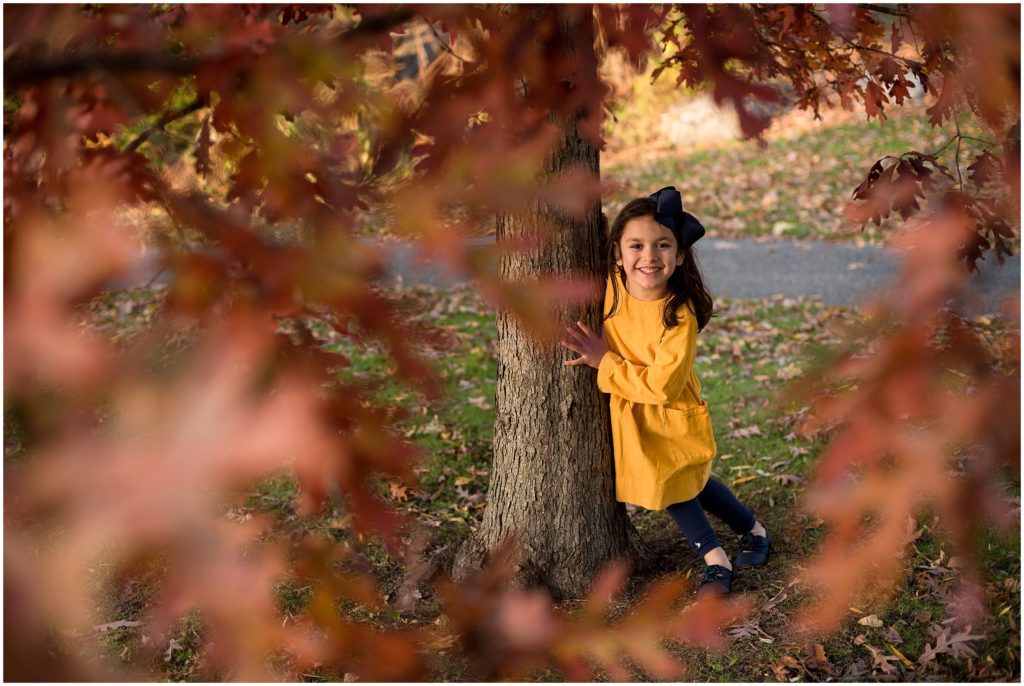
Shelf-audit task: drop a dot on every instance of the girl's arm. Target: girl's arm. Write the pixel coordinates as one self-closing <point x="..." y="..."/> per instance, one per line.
<point x="662" y="381"/>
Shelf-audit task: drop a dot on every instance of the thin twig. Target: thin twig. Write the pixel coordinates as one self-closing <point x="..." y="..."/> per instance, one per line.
<point x="948" y="143"/>
<point x="980" y="140"/>
<point x="865" y="48"/>
<point x="446" y="46"/>
<point x="910" y="27"/>
<point x="882" y="10"/>
<point x="959" y="137"/>
<point x="198" y="103"/>
<point x="181" y="231"/>
<point x="156" y="276"/>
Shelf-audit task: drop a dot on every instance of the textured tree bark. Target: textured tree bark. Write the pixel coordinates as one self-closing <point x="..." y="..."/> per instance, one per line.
<point x="552" y="482"/>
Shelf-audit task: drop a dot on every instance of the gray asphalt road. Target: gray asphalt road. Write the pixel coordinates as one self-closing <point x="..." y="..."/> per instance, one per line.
<point x="838" y="273"/>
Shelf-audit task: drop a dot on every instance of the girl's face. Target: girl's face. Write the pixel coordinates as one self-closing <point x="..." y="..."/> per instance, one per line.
<point x="648" y="253"/>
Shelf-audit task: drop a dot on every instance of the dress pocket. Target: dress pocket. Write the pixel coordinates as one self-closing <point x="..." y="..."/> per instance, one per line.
<point x="689" y="435"/>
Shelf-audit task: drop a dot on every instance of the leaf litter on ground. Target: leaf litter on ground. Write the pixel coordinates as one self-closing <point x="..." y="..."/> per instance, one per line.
<point x="748" y="339"/>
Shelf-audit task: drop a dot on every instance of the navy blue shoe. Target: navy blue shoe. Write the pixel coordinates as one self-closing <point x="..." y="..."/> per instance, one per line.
<point x="717" y="581"/>
<point x="754" y="550"/>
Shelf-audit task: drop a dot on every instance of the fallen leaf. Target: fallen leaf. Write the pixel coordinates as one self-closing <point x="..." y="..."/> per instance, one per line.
<point x="871" y="620"/>
<point x="818" y="661"/>
<point x="882" y="662"/>
<point x="788" y="372"/>
<point x="745" y="432"/>
<point x="901" y="656"/>
<point x="893" y="636"/>
<point x="116" y="625"/>
<point x="480" y="402"/>
<point x="787" y="479"/>
<point x="171" y="647"/>
<point x="398" y="492"/>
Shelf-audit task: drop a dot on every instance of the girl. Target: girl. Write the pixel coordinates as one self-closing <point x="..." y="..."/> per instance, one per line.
<point x="656" y="303"/>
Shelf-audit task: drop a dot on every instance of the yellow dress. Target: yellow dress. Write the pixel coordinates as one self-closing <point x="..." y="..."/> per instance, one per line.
<point x="661" y="429"/>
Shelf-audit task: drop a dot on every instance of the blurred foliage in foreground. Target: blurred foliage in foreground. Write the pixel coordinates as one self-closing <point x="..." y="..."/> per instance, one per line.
<point x="134" y="453"/>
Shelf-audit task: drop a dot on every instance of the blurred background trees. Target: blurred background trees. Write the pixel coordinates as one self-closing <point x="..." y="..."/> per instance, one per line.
<point x="247" y="149"/>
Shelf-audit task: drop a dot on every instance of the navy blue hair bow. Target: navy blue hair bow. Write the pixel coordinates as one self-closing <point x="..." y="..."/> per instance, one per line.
<point x="670" y="213"/>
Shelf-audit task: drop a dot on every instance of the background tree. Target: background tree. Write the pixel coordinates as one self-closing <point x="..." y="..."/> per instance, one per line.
<point x="552" y="486"/>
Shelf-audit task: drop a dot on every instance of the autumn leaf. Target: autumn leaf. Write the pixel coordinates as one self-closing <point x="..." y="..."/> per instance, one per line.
<point x="745" y="432"/>
<point x="398" y="491"/>
<point x="787" y="479"/>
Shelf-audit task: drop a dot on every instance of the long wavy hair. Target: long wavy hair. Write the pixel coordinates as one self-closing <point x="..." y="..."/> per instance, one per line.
<point x="686" y="285"/>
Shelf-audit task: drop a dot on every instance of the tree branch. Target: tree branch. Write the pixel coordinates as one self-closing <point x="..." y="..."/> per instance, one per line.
<point x="198" y="103"/>
<point x="864" y="48"/>
<point x="882" y="9"/>
<point x="371" y="25"/>
<point x="20" y="73"/>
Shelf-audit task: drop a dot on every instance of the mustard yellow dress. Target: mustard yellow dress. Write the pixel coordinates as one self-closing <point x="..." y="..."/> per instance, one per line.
<point x="661" y="429"/>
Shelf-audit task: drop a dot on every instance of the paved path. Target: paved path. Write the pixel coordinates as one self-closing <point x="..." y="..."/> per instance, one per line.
<point x="838" y="273"/>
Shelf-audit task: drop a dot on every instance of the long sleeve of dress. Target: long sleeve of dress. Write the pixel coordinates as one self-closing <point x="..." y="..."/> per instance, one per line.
<point x="662" y="381"/>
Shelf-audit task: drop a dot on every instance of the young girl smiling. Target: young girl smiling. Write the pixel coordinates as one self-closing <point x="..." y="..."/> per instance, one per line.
<point x="656" y="303"/>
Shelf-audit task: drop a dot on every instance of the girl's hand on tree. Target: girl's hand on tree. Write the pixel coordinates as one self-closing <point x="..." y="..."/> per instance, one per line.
<point x="589" y="345"/>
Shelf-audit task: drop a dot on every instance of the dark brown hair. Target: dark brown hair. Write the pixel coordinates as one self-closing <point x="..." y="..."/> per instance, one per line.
<point x="686" y="283"/>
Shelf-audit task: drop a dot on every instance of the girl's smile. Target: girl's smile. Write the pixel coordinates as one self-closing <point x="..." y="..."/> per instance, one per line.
<point x="649" y="254"/>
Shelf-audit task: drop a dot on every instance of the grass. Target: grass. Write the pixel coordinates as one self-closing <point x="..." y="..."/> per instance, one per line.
<point x="745" y="356"/>
<point x="795" y="186"/>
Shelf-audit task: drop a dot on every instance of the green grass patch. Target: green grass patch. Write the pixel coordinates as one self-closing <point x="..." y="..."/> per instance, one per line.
<point x="796" y="186"/>
<point x="746" y="357"/>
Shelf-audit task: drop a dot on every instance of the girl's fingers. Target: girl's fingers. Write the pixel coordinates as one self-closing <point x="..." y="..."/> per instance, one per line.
<point x="576" y="334"/>
<point x="571" y="346"/>
<point x="573" y="363"/>
<point x="586" y="330"/>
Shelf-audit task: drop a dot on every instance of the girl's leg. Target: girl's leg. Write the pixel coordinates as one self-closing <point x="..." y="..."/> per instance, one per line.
<point x="718" y="575"/>
<point x="689" y="516"/>
<point x="756" y="543"/>
<point x="717" y="499"/>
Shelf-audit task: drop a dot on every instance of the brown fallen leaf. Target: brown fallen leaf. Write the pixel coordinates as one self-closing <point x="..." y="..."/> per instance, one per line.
<point x="871" y="620"/>
<point x="893" y="636"/>
<point x="398" y="492"/>
<point x="787" y="479"/>
<point x="438" y="641"/>
<point x="887" y="664"/>
<point x="957" y="645"/>
<point x="745" y="432"/>
<point x="780" y="671"/>
<point x="817" y="660"/>
<point x="480" y="402"/>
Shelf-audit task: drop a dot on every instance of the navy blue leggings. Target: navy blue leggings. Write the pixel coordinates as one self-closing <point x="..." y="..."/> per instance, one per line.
<point x="717" y="499"/>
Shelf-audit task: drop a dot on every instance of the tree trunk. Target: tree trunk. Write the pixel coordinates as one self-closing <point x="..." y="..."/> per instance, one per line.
<point x="552" y="482"/>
